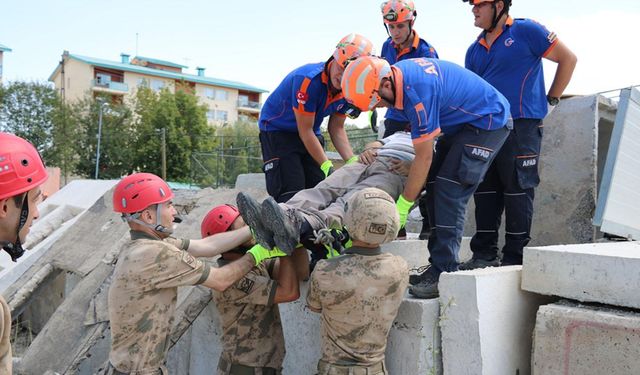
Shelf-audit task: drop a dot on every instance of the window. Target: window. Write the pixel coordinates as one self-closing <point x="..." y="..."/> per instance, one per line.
<point x="211" y="115"/>
<point x="221" y="115"/>
<point x="157" y="85"/>
<point x="209" y="92"/>
<point x="143" y="82"/>
<point x="243" y="100"/>
<point x="222" y="95"/>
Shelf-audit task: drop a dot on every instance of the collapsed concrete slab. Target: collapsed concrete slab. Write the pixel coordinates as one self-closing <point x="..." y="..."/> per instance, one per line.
<point x="603" y="272"/>
<point x="572" y="339"/>
<point x="486" y="322"/>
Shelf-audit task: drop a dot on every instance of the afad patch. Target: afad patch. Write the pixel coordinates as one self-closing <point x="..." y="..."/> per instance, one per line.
<point x="246" y="285"/>
<point x="552" y="37"/>
<point x="189" y="259"/>
<point x="302" y="97"/>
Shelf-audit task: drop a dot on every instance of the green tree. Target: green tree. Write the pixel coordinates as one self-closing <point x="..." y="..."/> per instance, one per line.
<point x="27" y="111"/>
<point x="185" y="126"/>
<point x="116" y="134"/>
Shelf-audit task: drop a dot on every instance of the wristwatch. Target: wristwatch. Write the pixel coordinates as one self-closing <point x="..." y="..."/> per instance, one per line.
<point x="553" y="100"/>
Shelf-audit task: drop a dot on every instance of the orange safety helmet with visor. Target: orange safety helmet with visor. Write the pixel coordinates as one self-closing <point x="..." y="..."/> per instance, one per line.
<point x="496" y="15"/>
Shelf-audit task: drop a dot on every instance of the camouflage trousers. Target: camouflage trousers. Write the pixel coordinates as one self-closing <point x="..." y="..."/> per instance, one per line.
<point x="323" y="205"/>
<point x="326" y="368"/>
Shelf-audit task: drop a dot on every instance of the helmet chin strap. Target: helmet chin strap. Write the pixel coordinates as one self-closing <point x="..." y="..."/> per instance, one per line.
<point x="158" y="227"/>
<point x="15" y="249"/>
<point x="496" y="17"/>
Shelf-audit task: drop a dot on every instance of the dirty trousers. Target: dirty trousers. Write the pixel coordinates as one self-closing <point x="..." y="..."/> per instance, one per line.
<point x="323" y="205"/>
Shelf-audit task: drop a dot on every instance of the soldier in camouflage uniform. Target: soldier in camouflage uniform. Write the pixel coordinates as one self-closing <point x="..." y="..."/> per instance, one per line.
<point x="21" y="174"/>
<point x="143" y="293"/>
<point x="359" y="293"/>
<point x="252" y="338"/>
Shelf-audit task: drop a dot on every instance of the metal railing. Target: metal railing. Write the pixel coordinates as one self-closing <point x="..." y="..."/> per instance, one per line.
<point x="110" y="85"/>
<point x="248" y="104"/>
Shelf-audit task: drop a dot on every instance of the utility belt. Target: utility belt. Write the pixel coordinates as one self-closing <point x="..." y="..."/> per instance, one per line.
<point x="228" y="368"/>
<point x="162" y="370"/>
<point x="326" y="368"/>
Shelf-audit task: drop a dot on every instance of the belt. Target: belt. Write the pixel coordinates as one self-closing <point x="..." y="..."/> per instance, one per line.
<point x="326" y="368"/>
<point x="155" y="371"/>
<point x="226" y="367"/>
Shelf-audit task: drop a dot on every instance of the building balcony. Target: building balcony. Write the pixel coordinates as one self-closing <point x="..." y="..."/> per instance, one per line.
<point x="109" y="86"/>
<point x="249" y="106"/>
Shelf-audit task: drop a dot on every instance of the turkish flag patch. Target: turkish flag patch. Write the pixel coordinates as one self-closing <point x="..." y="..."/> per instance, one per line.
<point x="302" y="97"/>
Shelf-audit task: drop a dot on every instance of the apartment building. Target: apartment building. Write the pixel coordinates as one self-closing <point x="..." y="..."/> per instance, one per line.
<point x="3" y="49"/>
<point x="228" y="101"/>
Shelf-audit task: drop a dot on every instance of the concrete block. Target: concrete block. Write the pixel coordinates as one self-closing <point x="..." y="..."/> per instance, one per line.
<point x="570" y="339"/>
<point x="602" y="272"/>
<point x="416" y="254"/>
<point x="413" y="346"/>
<point x="486" y="322"/>
<point x="301" y="329"/>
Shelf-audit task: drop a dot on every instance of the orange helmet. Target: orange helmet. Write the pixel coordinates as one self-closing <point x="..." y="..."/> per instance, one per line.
<point x="350" y="48"/>
<point x="361" y="81"/>
<point x="396" y="11"/>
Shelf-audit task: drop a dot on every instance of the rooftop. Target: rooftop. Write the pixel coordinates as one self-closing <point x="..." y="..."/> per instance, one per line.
<point x="128" y="67"/>
<point x="4" y="48"/>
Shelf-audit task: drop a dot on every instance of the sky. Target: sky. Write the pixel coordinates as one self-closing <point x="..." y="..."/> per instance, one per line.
<point x="258" y="42"/>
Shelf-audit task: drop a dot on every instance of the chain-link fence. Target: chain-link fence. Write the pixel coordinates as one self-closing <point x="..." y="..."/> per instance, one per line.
<point x="237" y="155"/>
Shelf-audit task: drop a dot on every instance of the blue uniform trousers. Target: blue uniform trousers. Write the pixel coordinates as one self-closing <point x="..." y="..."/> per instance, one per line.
<point x="459" y="164"/>
<point x="509" y="187"/>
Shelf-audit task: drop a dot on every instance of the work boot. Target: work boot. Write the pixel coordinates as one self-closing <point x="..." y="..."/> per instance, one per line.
<point x="475" y="263"/>
<point x="417" y="278"/>
<point x="284" y="225"/>
<point x="428" y="287"/>
<point x="251" y="212"/>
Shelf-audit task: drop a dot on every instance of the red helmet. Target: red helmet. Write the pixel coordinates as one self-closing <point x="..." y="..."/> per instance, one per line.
<point x="350" y="48"/>
<point x="361" y="81"/>
<point x="218" y="220"/>
<point x="21" y="168"/>
<point x="396" y="11"/>
<point x="138" y="191"/>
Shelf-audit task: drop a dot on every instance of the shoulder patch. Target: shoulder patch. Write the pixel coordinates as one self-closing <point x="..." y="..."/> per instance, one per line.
<point x="245" y="285"/>
<point x="189" y="259"/>
<point x="302" y="97"/>
<point x="552" y="37"/>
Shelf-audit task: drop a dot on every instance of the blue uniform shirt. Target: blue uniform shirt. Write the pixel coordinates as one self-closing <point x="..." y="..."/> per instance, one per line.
<point x="440" y="96"/>
<point x="513" y="65"/>
<point x="419" y="48"/>
<point x="306" y="91"/>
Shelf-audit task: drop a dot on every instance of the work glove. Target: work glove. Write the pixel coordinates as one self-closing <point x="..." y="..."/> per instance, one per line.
<point x="353" y="159"/>
<point x="403" y="207"/>
<point x="327" y="168"/>
<point x="261" y="253"/>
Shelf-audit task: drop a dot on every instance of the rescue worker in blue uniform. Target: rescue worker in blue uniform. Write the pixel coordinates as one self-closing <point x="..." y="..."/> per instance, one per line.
<point x="403" y="43"/>
<point x="290" y="137"/>
<point x="439" y="98"/>
<point x="508" y="54"/>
